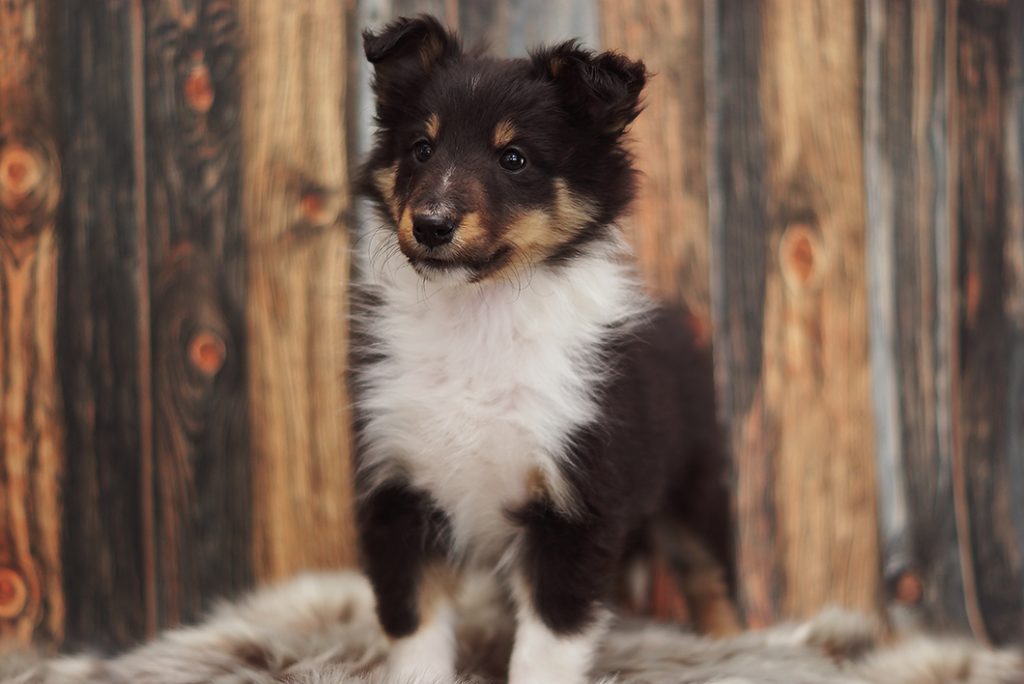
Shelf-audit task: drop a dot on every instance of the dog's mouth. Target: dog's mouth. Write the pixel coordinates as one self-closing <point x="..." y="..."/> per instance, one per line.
<point x="478" y="268"/>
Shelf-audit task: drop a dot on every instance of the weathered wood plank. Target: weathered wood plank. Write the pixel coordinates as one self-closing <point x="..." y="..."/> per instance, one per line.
<point x="294" y="196"/>
<point x="102" y="321"/>
<point x="1014" y="259"/>
<point x="738" y="228"/>
<point x="986" y="464"/>
<point x="668" y="225"/>
<point x="790" y="301"/>
<point x="202" y="472"/>
<point x="512" y="27"/>
<point x="31" y="450"/>
<point x="907" y="170"/>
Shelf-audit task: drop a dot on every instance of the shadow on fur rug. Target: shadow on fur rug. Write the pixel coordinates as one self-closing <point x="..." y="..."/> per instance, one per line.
<point x="321" y="629"/>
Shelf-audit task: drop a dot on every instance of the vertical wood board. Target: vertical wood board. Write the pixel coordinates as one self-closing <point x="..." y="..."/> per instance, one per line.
<point x="108" y="572"/>
<point x="202" y="474"/>
<point x="668" y="225"/>
<point x="986" y="332"/>
<point x="907" y="173"/>
<point x="31" y="450"/>
<point x="791" y="309"/>
<point x="294" y="198"/>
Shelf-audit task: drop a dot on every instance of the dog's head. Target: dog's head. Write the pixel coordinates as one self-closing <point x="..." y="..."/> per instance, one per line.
<point x="481" y="164"/>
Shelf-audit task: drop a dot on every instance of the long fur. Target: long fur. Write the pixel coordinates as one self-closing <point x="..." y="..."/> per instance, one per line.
<point x="520" y="404"/>
<point x="321" y="629"/>
<point x="482" y="384"/>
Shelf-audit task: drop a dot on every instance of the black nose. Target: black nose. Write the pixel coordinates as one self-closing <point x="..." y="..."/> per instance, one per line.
<point x="432" y="230"/>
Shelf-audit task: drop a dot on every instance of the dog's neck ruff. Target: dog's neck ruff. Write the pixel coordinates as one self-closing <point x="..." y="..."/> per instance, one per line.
<point x="476" y="390"/>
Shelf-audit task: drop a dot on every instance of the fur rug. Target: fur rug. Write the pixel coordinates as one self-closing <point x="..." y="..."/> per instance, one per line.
<point x="321" y="629"/>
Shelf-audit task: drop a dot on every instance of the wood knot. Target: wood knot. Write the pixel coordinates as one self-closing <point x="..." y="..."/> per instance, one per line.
<point x="313" y="203"/>
<point x="909" y="589"/>
<point x="21" y="171"/>
<point x="29" y="186"/>
<point x="13" y="593"/>
<point x="199" y="91"/>
<point x="800" y="255"/>
<point x="207" y="352"/>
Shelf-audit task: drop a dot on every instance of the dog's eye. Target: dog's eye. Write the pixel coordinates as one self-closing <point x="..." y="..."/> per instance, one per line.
<point x="512" y="159"/>
<point x="422" y="151"/>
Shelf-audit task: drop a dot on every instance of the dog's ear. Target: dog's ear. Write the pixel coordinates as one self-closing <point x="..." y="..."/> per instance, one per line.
<point x="407" y="49"/>
<point x="604" y="89"/>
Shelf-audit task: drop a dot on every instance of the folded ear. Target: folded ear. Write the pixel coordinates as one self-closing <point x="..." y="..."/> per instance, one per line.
<point x="604" y="89"/>
<point x="408" y="47"/>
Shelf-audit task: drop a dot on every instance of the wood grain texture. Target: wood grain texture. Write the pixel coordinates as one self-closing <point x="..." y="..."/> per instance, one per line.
<point x="294" y="196"/>
<point x="513" y="27"/>
<point x="31" y="450"/>
<point x="668" y="225"/>
<point x="987" y="332"/>
<point x="202" y="475"/>
<point x="738" y="225"/>
<point x="108" y="579"/>
<point x="907" y="87"/>
<point x="1014" y="263"/>
<point x="791" y="302"/>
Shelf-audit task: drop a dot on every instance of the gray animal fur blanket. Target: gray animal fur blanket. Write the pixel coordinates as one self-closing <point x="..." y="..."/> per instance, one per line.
<point x="321" y="629"/>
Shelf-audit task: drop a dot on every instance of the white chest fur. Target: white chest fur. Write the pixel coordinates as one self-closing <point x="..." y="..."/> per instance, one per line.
<point x="481" y="386"/>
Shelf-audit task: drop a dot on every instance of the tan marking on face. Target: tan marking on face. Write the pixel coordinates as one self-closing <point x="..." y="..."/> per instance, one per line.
<point x="470" y="232"/>
<point x="538" y="233"/>
<point x="406" y="240"/>
<point x="573" y="211"/>
<point x="433" y="126"/>
<point x="384" y="180"/>
<point x="504" y="133"/>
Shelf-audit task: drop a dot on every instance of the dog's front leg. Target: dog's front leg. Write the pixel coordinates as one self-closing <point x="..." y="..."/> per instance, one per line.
<point x="402" y="538"/>
<point x="563" y="576"/>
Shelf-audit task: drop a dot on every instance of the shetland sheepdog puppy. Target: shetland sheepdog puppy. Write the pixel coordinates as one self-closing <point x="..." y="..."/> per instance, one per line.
<point x="521" y="405"/>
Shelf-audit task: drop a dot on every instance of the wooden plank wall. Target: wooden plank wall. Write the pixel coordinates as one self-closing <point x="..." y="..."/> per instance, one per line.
<point x="907" y="130"/>
<point x="31" y="453"/>
<point x="835" y="188"/>
<point x="107" y="552"/>
<point x="789" y="291"/>
<point x="943" y="92"/>
<point x="987" y="334"/>
<point x="296" y="198"/>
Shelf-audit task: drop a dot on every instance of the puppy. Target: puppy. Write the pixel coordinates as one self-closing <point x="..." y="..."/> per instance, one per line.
<point x="520" y="404"/>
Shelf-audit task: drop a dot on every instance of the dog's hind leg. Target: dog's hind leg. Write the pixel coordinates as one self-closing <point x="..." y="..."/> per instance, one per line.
<point x="703" y="578"/>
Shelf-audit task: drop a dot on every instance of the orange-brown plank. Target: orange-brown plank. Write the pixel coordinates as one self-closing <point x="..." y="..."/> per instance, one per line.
<point x="669" y="223"/>
<point x="293" y="198"/>
<point x="787" y="223"/>
<point x="31" y="458"/>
